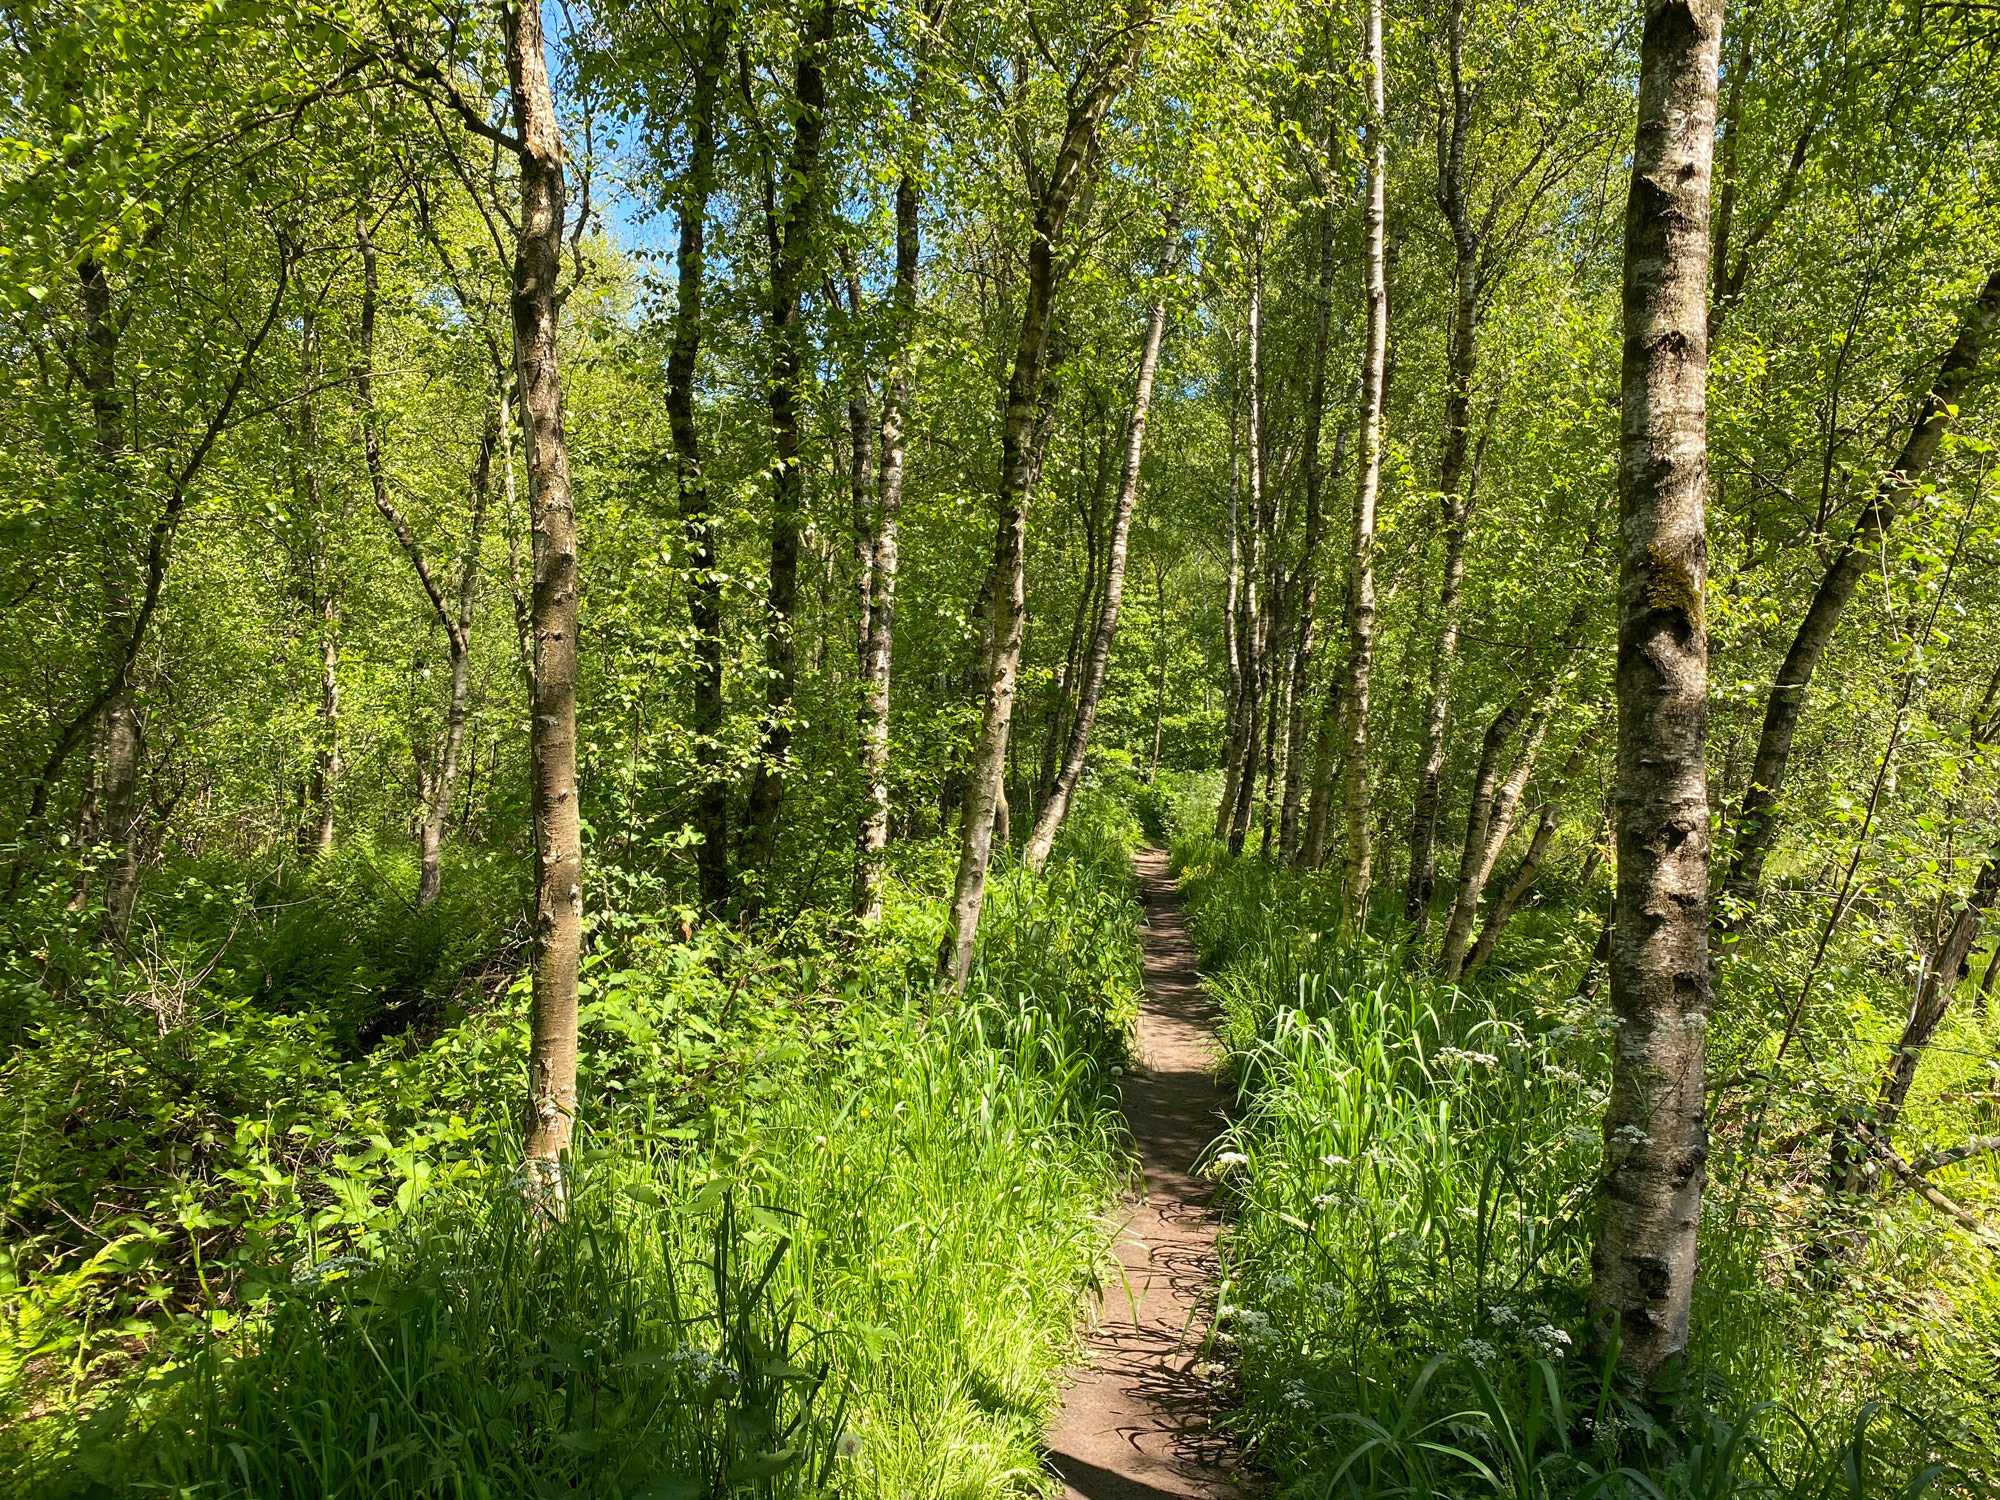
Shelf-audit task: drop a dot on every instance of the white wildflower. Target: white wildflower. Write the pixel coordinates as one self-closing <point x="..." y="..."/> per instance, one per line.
<point x="1230" y="1159"/>
<point x="704" y="1369"/>
<point x="1551" y="1341"/>
<point x="1335" y="1161"/>
<point x="847" y="1445"/>
<point x="1296" y="1395"/>
<point x="1478" y="1351"/>
<point x="1460" y="1055"/>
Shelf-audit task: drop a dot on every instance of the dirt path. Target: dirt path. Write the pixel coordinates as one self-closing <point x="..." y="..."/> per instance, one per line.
<point x="1136" y="1422"/>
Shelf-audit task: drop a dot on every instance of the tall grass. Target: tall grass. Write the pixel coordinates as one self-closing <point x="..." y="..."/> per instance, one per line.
<point x="875" y="1276"/>
<point x="835" y="1246"/>
<point x="1412" y="1178"/>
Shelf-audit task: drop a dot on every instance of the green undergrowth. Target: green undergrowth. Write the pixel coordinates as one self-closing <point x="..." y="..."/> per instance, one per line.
<point x="826" y="1232"/>
<point x="1412" y="1185"/>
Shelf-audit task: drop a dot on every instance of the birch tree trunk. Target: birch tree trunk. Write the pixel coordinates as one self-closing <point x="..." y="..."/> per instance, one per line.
<point x="1254" y="599"/>
<point x="1291" y="834"/>
<point x="1075" y="162"/>
<point x="1098" y="659"/>
<point x="319" y="597"/>
<point x="1160" y="678"/>
<point x="791" y="222"/>
<point x="536" y="308"/>
<point x="1643" y="1265"/>
<point x="879" y="605"/>
<point x="1232" y="640"/>
<point x="1756" y="822"/>
<point x="1356" y="863"/>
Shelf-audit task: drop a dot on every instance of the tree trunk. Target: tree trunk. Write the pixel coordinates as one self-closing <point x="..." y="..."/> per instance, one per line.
<point x="1275" y="716"/>
<point x="872" y="834"/>
<point x="430" y="867"/>
<point x="324" y="780"/>
<point x="1593" y="967"/>
<point x="1290" y="833"/>
<point x="119" y="736"/>
<point x="1756" y="820"/>
<point x="1600" y="850"/>
<point x="1530" y="868"/>
<point x="1481" y="854"/>
<point x="126" y="620"/>
<point x="879" y="607"/>
<point x="1254" y="599"/>
<point x="1075" y="163"/>
<point x="1356" y="863"/>
<point x="1097" y="661"/>
<point x="1293" y="810"/>
<point x="123" y="743"/>
<point x="697" y="510"/>
<point x="536" y="307"/>
<point x="1233" y="646"/>
<point x="1491" y="801"/>
<point x="320" y="600"/>
<point x="1732" y="271"/>
<point x="1160" y="679"/>
<point x="1642" y="1268"/>
<point x="789" y="229"/>
<point x="1454" y="503"/>
<point x="1934" y="995"/>
<point x="1253" y="738"/>
<point x="437" y="786"/>
<point x="1326" y="769"/>
<point x="1054" y="740"/>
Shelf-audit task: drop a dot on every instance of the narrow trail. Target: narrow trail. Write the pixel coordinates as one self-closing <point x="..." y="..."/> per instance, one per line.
<point x="1138" y="1421"/>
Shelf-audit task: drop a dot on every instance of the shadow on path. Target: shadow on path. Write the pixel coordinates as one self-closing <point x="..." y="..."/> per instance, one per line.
<point x="1137" y="1421"/>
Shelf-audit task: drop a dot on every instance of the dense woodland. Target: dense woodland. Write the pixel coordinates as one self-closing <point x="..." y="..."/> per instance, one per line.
<point x="596" y="601"/>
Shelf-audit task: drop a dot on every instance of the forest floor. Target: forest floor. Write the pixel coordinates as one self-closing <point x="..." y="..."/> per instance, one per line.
<point x="1139" y="1419"/>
